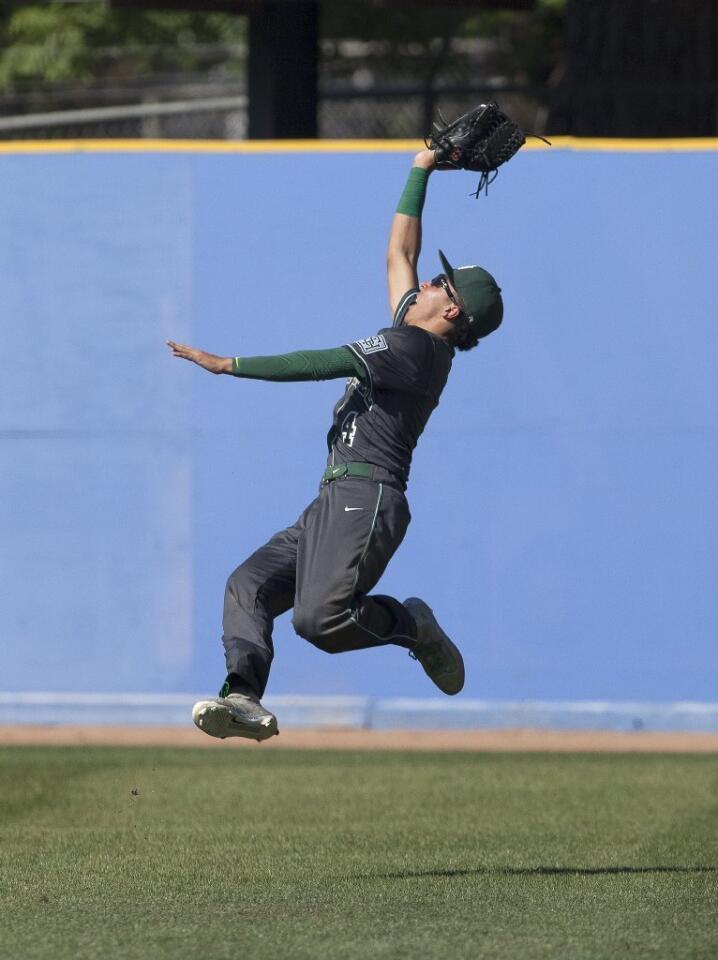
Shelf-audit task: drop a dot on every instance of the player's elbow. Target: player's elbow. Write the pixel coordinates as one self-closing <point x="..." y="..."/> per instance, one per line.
<point x="400" y="256"/>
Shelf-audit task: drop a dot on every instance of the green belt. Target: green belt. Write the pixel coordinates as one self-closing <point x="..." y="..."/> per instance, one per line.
<point x="352" y="469"/>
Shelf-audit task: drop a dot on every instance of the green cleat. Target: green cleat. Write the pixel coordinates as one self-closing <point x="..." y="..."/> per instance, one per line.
<point x="440" y="658"/>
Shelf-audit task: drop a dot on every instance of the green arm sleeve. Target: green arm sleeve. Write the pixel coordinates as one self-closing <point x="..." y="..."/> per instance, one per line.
<point x="302" y="365"/>
<point x="412" y="199"/>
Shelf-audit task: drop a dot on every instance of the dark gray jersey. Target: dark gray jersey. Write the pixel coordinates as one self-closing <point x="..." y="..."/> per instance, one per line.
<point x="382" y="414"/>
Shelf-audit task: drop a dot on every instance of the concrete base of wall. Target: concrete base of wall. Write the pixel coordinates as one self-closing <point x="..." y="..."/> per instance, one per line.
<point x="105" y="709"/>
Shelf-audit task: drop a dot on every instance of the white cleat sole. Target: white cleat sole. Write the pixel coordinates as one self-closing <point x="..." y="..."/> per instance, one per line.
<point x="217" y="720"/>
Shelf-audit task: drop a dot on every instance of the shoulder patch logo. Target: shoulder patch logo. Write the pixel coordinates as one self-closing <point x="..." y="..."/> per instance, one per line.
<point x="373" y="344"/>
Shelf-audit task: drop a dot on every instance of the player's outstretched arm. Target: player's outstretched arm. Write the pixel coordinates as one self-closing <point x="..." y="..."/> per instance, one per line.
<point x="283" y="367"/>
<point x="208" y="361"/>
<point x="404" y="246"/>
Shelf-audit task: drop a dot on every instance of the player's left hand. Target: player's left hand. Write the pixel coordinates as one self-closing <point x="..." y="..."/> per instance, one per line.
<point x="208" y="361"/>
<point x="425" y="159"/>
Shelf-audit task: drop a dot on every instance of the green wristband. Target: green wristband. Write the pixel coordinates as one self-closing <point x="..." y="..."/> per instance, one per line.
<point x="412" y="199"/>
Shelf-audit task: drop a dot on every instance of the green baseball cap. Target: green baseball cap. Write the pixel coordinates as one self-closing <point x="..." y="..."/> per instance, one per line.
<point x="480" y="296"/>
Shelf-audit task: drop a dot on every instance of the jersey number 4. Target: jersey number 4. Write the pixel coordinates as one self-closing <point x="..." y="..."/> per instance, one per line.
<point x="349" y="429"/>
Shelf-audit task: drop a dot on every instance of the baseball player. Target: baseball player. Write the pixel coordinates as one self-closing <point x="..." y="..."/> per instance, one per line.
<point x="326" y="564"/>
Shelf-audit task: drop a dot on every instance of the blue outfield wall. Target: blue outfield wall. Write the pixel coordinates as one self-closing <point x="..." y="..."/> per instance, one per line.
<point x="564" y="494"/>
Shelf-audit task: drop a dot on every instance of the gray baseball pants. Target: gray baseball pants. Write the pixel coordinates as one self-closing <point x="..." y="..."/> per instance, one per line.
<point x="323" y="566"/>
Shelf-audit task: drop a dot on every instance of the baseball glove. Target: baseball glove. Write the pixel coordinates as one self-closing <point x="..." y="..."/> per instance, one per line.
<point x="480" y="140"/>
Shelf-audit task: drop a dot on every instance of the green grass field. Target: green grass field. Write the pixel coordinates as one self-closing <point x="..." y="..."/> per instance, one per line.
<point x="159" y="853"/>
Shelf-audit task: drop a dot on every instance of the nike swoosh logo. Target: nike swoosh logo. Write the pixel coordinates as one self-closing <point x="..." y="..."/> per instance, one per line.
<point x="347" y="509"/>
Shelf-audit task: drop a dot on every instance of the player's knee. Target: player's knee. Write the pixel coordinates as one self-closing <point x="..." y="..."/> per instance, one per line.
<point x="316" y="624"/>
<point x="308" y="622"/>
<point x="241" y="588"/>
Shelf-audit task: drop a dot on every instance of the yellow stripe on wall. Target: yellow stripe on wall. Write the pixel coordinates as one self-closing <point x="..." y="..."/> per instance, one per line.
<point x="688" y="144"/>
<point x="627" y="145"/>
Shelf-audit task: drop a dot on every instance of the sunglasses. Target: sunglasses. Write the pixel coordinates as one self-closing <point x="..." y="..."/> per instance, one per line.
<point x="442" y="281"/>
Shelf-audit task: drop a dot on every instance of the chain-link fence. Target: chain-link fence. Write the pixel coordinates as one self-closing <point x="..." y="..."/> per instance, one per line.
<point x="223" y="118"/>
<point x="366" y="90"/>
